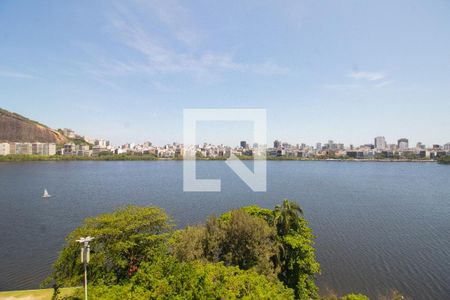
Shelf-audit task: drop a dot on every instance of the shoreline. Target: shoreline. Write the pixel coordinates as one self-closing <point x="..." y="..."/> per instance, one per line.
<point x="31" y="158"/>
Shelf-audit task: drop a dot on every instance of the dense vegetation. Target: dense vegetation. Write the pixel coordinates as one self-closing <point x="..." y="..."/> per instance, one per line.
<point x="252" y="252"/>
<point x="444" y="160"/>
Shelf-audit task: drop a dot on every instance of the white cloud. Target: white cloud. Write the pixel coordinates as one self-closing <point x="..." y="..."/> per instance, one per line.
<point x="370" y="76"/>
<point x="154" y="54"/>
<point x="13" y="74"/>
<point x="384" y="83"/>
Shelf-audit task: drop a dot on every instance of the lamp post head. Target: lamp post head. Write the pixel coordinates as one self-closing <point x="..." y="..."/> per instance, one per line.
<point x="85" y="239"/>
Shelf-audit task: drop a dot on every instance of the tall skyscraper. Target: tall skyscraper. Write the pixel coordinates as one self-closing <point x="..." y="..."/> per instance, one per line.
<point x="380" y="142"/>
<point x="403" y="144"/>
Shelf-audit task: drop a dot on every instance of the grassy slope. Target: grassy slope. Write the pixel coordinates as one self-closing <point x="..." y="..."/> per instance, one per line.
<point x="43" y="294"/>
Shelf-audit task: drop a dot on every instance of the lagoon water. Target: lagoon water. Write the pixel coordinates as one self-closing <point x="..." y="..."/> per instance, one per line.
<point x="379" y="226"/>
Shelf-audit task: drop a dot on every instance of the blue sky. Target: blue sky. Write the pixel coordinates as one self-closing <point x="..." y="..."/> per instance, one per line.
<point x="125" y="70"/>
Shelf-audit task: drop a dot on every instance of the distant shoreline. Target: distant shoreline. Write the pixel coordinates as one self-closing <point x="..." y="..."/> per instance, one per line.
<point x="57" y="158"/>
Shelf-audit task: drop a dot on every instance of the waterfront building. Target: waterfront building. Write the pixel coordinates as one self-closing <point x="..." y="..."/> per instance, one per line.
<point x="43" y="149"/>
<point x="82" y="150"/>
<point x="355" y="154"/>
<point x="380" y="142"/>
<point x="403" y="144"/>
<point x="243" y="144"/>
<point x="12" y="148"/>
<point x="447" y="147"/>
<point x="4" y="149"/>
<point x="24" y="148"/>
<point x="37" y="148"/>
<point x="96" y="150"/>
<point x="277" y="144"/>
<point x="69" y="149"/>
<point x="50" y="149"/>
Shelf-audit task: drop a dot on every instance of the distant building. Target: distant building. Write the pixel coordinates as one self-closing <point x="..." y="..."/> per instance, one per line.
<point x="355" y="154"/>
<point x="4" y="149"/>
<point x="392" y="147"/>
<point x="318" y="146"/>
<point x="12" y="148"/>
<point x="37" y="148"/>
<point x="24" y="148"/>
<point x="403" y="144"/>
<point x="105" y="143"/>
<point x="277" y="144"/>
<point x="243" y="144"/>
<point x="96" y="150"/>
<point x="380" y="142"/>
<point x="331" y="146"/>
<point x="43" y="148"/>
<point x="82" y="150"/>
<point x="69" y="133"/>
<point x="50" y="149"/>
<point x="69" y="149"/>
<point x="447" y="147"/>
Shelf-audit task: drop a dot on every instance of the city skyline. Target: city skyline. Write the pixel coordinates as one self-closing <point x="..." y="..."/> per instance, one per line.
<point x="127" y="71"/>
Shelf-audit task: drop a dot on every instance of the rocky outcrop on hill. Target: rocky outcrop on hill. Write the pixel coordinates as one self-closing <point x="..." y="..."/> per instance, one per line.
<point x="16" y="128"/>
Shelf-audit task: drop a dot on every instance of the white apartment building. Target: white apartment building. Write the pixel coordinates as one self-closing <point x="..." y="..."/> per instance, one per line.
<point x="44" y="148"/>
<point x="24" y="148"/>
<point x="380" y="142"/>
<point x="4" y="149"/>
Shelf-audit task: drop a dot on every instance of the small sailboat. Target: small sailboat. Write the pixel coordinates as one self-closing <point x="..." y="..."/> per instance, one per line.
<point x="46" y="194"/>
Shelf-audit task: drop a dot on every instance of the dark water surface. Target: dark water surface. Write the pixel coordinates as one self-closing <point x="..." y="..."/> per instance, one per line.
<point x="379" y="226"/>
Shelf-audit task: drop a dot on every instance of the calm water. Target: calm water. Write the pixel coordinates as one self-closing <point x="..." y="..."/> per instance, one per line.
<point x="379" y="226"/>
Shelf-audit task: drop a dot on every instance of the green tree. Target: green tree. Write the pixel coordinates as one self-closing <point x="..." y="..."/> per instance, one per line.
<point x="237" y="239"/>
<point x="287" y="217"/>
<point x="444" y="160"/>
<point x="355" y="297"/>
<point x="123" y="240"/>
<point x="167" y="278"/>
<point x="297" y="254"/>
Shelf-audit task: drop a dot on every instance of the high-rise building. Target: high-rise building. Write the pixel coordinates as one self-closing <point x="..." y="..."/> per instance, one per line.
<point x="319" y="146"/>
<point x="243" y="144"/>
<point x="380" y="142"/>
<point x="447" y="147"/>
<point x="277" y="144"/>
<point x="331" y="145"/>
<point x="403" y="144"/>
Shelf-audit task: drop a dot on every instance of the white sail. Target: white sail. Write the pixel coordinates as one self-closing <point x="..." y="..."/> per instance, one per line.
<point x="46" y="194"/>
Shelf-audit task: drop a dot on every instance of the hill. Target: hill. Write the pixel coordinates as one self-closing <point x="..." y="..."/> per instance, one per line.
<point x="17" y="128"/>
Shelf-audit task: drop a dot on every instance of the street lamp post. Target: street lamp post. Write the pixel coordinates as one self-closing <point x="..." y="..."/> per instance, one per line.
<point x="85" y="257"/>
